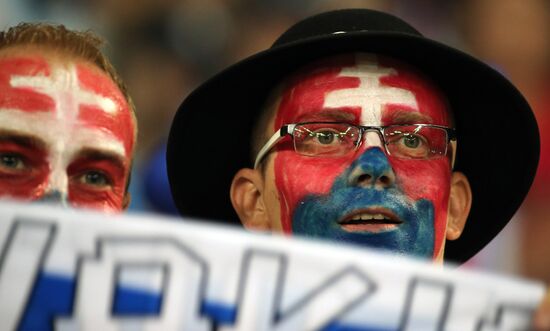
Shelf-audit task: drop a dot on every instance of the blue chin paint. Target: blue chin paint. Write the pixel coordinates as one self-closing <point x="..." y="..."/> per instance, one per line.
<point x="318" y="215"/>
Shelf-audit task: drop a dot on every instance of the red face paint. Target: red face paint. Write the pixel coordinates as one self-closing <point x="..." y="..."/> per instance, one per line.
<point x="22" y="98"/>
<point x="391" y="93"/>
<point x="64" y="127"/>
<point x="120" y="124"/>
<point x="428" y="179"/>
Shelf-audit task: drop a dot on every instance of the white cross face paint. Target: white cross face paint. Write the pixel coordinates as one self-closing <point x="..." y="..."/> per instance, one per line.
<point x="370" y="96"/>
<point x="64" y="88"/>
<point x="64" y="128"/>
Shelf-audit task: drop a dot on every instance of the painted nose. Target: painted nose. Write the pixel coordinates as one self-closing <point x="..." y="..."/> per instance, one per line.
<point x="372" y="170"/>
<point x="54" y="197"/>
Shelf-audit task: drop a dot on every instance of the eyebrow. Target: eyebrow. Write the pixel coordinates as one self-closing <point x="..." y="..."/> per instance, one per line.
<point x="410" y="117"/>
<point x="22" y="139"/>
<point x="327" y="115"/>
<point x="100" y="155"/>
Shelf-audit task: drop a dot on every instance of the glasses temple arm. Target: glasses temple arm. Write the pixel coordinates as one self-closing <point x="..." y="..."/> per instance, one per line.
<point x="283" y="131"/>
<point x="451" y="132"/>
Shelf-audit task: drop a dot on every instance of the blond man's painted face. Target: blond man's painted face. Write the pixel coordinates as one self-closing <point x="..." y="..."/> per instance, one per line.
<point x="66" y="132"/>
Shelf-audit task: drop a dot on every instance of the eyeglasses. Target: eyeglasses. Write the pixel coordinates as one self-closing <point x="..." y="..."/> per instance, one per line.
<point x="332" y="139"/>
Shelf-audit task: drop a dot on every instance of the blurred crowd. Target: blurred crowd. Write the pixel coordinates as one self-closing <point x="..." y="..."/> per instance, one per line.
<point x="164" y="48"/>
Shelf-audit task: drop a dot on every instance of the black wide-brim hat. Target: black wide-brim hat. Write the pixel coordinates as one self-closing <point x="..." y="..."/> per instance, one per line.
<point x="498" y="141"/>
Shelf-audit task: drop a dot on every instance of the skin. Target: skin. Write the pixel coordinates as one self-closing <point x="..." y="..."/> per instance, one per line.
<point x="312" y="196"/>
<point x="66" y="131"/>
<point x="541" y="320"/>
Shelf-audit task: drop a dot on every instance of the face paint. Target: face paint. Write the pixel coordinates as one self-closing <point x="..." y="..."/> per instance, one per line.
<point x="66" y="133"/>
<point x="320" y="195"/>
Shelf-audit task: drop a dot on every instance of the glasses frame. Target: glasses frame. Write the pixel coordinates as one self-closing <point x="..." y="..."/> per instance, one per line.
<point x="288" y="130"/>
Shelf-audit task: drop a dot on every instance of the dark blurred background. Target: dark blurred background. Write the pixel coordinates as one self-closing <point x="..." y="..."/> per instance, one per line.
<point x="164" y="48"/>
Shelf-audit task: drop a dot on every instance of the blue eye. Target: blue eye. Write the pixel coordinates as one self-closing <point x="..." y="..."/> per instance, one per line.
<point x="12" y="161"/>
<point x="411" y="141"/>
<point x="95" y="178"/>
<point x="325" y="137"/>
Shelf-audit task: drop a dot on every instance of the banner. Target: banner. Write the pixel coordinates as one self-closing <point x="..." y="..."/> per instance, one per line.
<point x="75" y="270"/>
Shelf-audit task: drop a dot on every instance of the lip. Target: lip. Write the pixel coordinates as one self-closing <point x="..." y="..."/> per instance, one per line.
<point x="372" y="220"/>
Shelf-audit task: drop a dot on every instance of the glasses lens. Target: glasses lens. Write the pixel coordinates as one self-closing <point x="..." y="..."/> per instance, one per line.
<point x="416" y="141"/>
<point x="325" y="139"/>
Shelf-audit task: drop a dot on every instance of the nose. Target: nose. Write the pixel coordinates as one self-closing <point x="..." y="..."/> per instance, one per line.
<point x="372" y="169"/>
<point x="54" y="197"/>
<point x="55" y="192"/>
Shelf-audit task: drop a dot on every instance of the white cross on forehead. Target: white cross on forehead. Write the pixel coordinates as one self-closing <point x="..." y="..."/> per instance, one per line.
<point x="370" y="95"/>
<point x="63" y="86"/>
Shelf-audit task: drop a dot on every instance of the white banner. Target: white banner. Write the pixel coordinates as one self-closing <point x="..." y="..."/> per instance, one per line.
<point x="74" y="270"/>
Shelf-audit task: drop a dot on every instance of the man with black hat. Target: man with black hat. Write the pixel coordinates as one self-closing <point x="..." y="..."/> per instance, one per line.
<point x="361" y="130"/>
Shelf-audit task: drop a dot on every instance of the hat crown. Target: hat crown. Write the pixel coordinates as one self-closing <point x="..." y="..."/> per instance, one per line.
<point x="345" y="21"/>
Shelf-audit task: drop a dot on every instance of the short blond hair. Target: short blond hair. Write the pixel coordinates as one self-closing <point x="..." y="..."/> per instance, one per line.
<point x="85" y="45"/>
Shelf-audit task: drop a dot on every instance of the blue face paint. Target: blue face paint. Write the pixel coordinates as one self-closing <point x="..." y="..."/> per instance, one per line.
<point x="318" y="215"/>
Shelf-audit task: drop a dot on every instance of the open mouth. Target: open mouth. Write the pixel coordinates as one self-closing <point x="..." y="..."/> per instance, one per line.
<point x="370" y="220"/>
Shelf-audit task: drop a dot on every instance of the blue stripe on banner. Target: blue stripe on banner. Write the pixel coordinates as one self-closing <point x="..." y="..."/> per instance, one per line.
<point x="219" y="312"/>
<point x="343" y="327"/>
<point x="131" y="301"/>
<point x="51" y="296"/>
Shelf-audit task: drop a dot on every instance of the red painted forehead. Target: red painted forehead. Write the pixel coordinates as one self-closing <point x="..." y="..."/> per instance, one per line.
<point x="120" y="123"/>
<point x="304" y="95"/>
<point x="22" y="98"/>
<point x="33" y="84"/>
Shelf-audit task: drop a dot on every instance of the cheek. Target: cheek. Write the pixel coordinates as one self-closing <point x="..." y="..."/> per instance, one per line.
<point x="426" y="179"/>
<point x="103" y="201"/>
<point x="430" y="180"/>
<point x="30" y="186"/>
<point x="297" y="176"/>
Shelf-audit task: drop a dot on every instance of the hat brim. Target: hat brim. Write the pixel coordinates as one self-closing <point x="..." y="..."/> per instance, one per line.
<point x="498" y="141"/>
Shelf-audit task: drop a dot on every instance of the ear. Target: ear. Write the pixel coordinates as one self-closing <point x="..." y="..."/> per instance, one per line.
<point x="126" y="201"/>
<point x="246" y="197"/>
<point x="460" y="201"/>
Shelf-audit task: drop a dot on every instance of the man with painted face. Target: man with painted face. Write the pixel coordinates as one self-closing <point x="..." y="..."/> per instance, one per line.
<point x="369" y="160"/>
<point x="354" y="127"/>
<point x="67" y="125"/>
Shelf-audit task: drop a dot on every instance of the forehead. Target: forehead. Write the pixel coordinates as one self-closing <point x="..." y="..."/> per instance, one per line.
<point x="38" y="88"/>
<point x="370" y="89"/>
